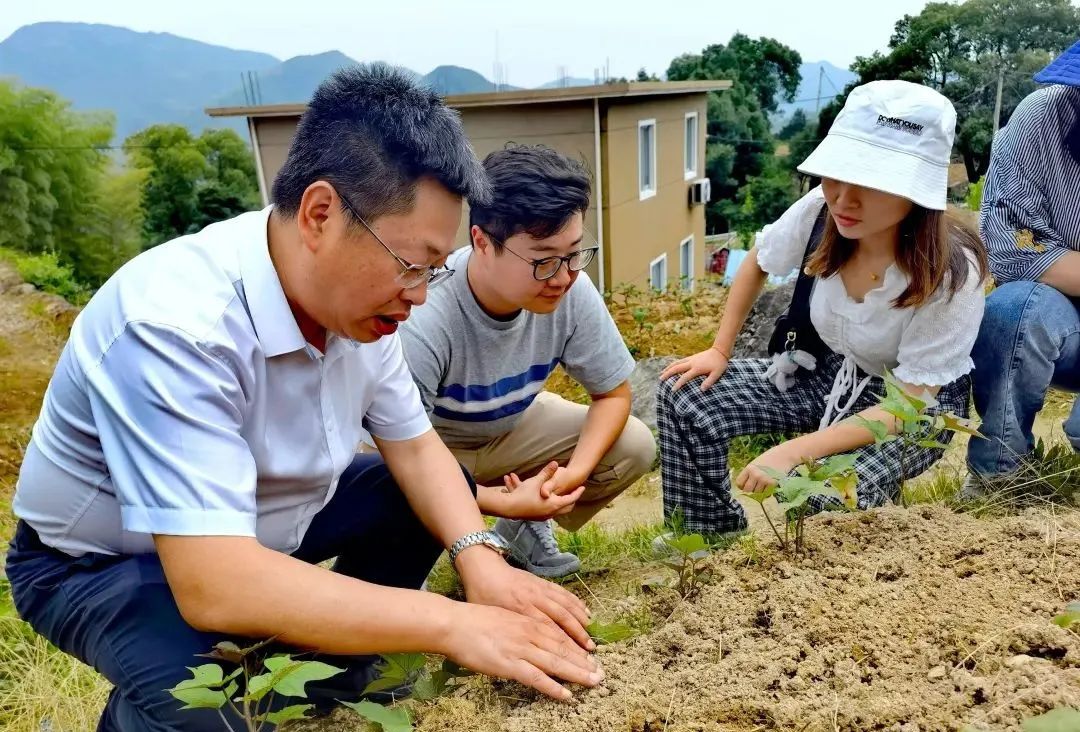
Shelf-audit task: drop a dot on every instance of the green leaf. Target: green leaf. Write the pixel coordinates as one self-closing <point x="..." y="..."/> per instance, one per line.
<point x="846" y="486"/>
<point x="688" y="543"/>
<point x="605" y="634"/>
<point x="430" y="685"/>
<point x="838" y="464"/>
<point x="1062" y="719"/>
<point x="954" y="423"/>
<point x="877" y="428"/>
<point x="397" y="669"/>
<point x="292" y="676"/>
<point x="288" y="714"/>
<point x="390" y="720"/>
<point x="1070" y="617"/>
<point x="762" y="495"/>
<point x="795" y="491"/>
<point x="455" y="670"/>
<point x="205" y="689"/>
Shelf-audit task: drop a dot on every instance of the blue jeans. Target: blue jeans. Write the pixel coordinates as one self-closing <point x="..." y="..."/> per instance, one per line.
<point x="117" y="613"/>
<point x="1029" y="341"/>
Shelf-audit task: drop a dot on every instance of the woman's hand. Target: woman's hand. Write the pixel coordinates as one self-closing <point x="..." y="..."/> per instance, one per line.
<point x="710" y="363"/>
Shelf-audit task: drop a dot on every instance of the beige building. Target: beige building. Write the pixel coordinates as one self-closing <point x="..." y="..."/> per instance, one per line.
<point x="644" y="143"/>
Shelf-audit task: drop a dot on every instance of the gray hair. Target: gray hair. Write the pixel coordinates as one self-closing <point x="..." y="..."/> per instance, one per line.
<point x="373" y="133"/>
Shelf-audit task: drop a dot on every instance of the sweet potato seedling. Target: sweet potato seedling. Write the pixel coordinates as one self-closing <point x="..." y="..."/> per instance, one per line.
<point x="915" y="428"/>
<point x="833" y="477"/>
<point x="691" y="551"/>
<point x="210" y="687"/>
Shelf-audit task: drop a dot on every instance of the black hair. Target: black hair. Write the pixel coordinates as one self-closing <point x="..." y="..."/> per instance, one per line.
<point x="373" y="133"/>
<point x="534" y="190"/>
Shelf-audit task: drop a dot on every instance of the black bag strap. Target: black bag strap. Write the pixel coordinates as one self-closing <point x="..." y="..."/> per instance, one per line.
<point x="804" y="285"/>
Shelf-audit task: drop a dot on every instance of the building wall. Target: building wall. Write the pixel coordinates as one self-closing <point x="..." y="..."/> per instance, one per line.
<point x="639" y="230"/>
<point x="567" y="128"/>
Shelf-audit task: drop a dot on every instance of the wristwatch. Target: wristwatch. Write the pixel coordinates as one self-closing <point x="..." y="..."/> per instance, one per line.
<point x="488" y="538"/>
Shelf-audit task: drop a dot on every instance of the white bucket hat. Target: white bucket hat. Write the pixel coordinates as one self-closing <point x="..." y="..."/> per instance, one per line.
<point x="892" y="136"/>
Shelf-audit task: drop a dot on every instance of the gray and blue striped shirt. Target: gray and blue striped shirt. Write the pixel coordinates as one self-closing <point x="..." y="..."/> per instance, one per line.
<point x="1030" y="213"/>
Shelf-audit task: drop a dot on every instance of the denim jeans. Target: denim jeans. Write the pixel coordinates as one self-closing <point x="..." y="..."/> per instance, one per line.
<point x="117" y="613"/>
<point x="1029" y="341"/>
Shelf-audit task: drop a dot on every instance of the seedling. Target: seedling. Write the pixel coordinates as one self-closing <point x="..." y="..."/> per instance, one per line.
<point x="211" y="688"/>
<point x="834" y="477"/>
<point x="605" y="634"/>
<point x="691" y="551"/>
<point x="914" y="427"/>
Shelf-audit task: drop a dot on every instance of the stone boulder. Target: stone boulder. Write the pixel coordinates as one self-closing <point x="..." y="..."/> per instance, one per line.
<point x="753" y="339"/>
<point x="643" y="383"/>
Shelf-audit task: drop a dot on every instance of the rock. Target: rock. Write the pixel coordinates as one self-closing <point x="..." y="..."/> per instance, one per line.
<point x="753" y="340"/>
<point x="937" y="672"/>
<point x="24" y="289"/>
<point x="643" y="387"/>
<point x="1019" y="660"/>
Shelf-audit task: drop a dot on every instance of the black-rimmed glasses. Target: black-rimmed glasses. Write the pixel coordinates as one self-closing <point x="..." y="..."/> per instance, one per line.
<point x="547" y="267"/>
<point x="412" y="275"/>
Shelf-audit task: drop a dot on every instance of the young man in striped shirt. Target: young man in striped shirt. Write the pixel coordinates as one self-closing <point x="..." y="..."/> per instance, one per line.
<point x="483" y="346"/>
<point x="1030" y="335"/>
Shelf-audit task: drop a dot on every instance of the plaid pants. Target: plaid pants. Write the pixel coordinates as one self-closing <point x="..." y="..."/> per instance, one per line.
<point x="696" y="429"/>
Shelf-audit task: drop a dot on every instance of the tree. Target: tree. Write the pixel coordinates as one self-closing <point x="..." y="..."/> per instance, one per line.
<point x="761" y="201"/>
<point x="739" y="142"/>
<point x="643" y="75"/>
<point x="54" y="188"/>
<point x="793" y="126"/>
<point x="967" y="51"/>
<point x="190" y="182"/>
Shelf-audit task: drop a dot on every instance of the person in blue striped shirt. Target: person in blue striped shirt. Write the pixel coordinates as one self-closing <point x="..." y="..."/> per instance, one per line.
<point x="1030" y="220"/>
<point x="482" y="348"/>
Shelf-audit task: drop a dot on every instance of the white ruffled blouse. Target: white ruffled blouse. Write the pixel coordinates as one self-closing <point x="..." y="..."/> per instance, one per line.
<point x="929" y="345"/>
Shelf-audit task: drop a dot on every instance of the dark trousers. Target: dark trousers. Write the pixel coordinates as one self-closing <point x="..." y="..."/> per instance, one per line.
<point x="117" y="613"/>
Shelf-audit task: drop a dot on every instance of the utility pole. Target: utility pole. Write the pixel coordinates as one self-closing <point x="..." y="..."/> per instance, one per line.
<point x="817" y="102"/>
<point x="997" y="104"/>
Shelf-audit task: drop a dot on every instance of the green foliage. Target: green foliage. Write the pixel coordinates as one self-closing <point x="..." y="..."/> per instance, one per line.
<point x="691" y="551"/>
<point x="762" y="200"/>
<point x="1062" y="719"/>
<point x="739" y="142"/>
<point x="388" y="720"/>
<point x="834" y="477"/>
<point x="190" y="182"/>
<point x="914" y="427"/>
<point x="55" y="189"/>
<point x="1070" y="617"/>
<point x="607" y="633"/>
<point x="45" y="272"/>
<point x="211" y="688"/>
<point x="960" y="49"/>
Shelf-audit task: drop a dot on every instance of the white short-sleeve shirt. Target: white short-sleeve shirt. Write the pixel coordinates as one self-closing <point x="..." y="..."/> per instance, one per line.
<point x="187" y="402"/>
<point x="929" y="345"/>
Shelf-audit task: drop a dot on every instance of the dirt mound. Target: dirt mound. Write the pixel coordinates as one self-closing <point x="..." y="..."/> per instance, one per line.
<point x="903" y="620"/>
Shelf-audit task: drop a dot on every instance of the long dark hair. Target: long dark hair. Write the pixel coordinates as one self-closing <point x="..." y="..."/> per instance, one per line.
<point x="934" y="251"/>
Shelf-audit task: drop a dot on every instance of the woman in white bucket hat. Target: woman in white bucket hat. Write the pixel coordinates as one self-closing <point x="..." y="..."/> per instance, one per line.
<point x="897" y="286"/>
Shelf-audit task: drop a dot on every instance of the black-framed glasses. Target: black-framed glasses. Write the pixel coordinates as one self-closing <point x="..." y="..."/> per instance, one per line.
<point x="547" y="267"/>
<point x="412" y="275"/>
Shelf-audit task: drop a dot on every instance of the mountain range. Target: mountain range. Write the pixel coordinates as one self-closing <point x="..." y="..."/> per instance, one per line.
<point x="148" y="78"/>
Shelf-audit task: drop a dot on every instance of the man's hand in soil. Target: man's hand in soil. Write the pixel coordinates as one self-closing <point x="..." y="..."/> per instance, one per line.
<point x="534" y="499"/>
<point x="546" y="637"/>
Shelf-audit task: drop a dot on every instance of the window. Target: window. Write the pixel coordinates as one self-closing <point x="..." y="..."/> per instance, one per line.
<point x="658" y="272"/>
<point x="690" y="164"/>
<point x="686" y="263"/>
<point x="647" y="158"/>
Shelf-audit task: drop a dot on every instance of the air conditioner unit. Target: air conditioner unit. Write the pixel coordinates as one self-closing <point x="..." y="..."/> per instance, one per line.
<point x="700" y="192"/>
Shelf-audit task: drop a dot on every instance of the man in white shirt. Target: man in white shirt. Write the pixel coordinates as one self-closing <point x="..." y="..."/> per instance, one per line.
<point x="195" y="455"/>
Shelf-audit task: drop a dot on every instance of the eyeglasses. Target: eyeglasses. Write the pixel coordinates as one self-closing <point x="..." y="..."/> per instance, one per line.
<point x="547" y="267"/>
<point x="412" y="275"/>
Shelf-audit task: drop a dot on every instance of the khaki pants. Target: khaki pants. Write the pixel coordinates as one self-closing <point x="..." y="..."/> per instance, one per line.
<point x="549" y="430"/>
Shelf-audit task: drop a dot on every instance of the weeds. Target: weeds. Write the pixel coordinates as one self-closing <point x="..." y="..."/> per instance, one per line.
<point x="1070" y="619"/>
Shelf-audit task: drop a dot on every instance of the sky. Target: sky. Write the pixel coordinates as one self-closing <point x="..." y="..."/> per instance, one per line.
<point x="536" y="40"/>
